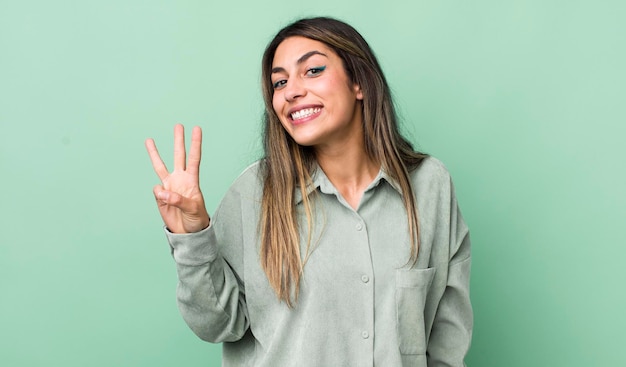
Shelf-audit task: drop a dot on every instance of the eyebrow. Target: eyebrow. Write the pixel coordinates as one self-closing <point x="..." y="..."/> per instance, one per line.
<point x="302" y="59"/>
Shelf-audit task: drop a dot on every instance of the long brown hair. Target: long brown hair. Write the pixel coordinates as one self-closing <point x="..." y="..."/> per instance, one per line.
<point x="287" y="166"/>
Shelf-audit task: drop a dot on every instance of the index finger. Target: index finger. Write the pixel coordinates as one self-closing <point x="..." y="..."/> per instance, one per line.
<point x="157" y="162"/>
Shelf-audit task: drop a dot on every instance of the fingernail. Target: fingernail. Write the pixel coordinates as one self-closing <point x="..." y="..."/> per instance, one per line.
<point x="163" y="195"/>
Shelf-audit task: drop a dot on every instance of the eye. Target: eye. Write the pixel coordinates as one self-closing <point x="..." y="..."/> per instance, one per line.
<point x="315" y="71"/>
<point x="279" y="84"/>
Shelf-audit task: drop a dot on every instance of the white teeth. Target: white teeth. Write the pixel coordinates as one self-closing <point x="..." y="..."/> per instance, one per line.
<point x="304" y="113"/>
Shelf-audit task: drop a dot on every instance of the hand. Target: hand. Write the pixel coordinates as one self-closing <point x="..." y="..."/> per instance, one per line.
<point x="179" y="198"/>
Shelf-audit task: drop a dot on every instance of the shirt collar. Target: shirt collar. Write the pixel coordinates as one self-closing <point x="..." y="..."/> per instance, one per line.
<point x="321" y="181"/>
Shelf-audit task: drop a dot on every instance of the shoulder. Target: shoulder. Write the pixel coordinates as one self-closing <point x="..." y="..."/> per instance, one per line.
<point x="244" y="193"/>
<point x="431" y="171"/>
<point x="432" y="182"/>
<point x="250" y="179"/>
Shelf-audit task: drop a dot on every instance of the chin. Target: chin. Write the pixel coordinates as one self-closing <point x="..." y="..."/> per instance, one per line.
<point x="304" y="142"/>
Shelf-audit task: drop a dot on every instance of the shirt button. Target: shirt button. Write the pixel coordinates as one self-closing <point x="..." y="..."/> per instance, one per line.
<point x="365" y="278"/>
<point x="359" y="227"/>
<point x="365" y="335"/>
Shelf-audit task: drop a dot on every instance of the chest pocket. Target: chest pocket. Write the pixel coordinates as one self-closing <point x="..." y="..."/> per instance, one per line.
<point x="411" y="290"/>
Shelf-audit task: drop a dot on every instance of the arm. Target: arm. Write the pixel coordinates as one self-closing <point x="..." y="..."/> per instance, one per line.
<point x="452" y="327"/>
<point x="210" y="295"/>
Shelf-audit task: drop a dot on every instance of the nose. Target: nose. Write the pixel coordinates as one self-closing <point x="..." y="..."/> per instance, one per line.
<point x="294" y="89"/>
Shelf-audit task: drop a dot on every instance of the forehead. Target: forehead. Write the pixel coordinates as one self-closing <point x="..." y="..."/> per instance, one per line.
<point x="292" y="48"/>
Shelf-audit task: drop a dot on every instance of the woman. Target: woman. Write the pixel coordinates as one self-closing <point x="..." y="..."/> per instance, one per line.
<point x="342" y="246"/>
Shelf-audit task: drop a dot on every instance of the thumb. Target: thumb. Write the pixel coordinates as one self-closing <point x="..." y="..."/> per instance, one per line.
<point x="166" y="197"/>
<point x="170" y="198"/>
<point x="160" y="194"/>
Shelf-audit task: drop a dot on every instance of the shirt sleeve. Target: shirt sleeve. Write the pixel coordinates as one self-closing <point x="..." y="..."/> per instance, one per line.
<point x="210" y="292"/>
<point x="452" y="327"/>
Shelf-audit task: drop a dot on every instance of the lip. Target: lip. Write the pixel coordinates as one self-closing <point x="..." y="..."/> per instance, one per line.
<point x="305" y="119"/>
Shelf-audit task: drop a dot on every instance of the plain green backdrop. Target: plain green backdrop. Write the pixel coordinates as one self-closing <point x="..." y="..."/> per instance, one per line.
<point x="522" y="100"/>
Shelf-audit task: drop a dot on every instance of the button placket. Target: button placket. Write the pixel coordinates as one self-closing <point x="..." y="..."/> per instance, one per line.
<point x="366" y="277"/>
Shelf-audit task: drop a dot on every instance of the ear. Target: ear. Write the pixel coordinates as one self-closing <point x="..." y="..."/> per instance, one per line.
<point x="359" y="93"/>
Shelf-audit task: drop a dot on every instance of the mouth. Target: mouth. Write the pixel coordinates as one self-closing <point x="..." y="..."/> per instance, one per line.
<point x="304" y="114"/>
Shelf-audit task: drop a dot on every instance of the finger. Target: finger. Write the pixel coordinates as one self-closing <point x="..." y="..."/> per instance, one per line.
<point x="157" y="162"/>
<point x="158" y="194"/>
<point x="179" y="147"/>
<point x="195" y="151"/>
<point x="170" y="198"/>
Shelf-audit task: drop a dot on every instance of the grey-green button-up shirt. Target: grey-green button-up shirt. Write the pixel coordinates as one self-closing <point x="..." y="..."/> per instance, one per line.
<point x="360" y="304"/>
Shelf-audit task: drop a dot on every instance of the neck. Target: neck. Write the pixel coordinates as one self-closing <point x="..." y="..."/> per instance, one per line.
<point x="349" y="169"/>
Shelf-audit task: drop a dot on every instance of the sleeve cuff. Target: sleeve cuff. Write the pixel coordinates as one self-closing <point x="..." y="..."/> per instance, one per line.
<point x="193" y="248"/>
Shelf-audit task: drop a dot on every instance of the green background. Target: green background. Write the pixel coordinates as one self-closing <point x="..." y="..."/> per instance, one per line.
<point x="522" y="100"/>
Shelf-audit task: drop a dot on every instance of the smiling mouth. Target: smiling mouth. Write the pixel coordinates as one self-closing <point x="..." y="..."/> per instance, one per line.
<point x="304" y="113"/>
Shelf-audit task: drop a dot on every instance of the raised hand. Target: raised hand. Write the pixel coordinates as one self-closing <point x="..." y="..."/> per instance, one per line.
<point x="179" y="198"/>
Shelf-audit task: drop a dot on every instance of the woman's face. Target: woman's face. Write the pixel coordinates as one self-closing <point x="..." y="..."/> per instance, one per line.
<point x="313" y="98"/>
